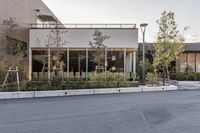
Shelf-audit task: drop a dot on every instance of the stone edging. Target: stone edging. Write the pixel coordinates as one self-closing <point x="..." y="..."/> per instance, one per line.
<point x="57" y="93"/>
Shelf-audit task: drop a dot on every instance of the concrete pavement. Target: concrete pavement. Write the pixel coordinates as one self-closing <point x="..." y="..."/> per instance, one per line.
<point x="150" y="112"/>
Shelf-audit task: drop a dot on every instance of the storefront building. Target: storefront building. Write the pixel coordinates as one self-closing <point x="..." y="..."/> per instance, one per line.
<point x="78" y="57"/>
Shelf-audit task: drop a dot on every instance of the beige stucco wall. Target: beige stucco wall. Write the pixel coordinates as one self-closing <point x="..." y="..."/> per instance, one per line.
<point x="24" y="12"/>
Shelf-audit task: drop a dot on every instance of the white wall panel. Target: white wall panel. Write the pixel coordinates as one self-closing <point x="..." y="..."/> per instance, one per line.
<point x="120" y="38"/>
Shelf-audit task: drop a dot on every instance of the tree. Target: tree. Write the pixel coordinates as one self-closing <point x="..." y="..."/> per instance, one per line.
<point x="54" y="40"/>
<point x="12" y="48"/>
<point x="98" y="44"/>
<point x="99" y="38"/>
<point x="168" y="46"/>
<point x="12" y="52"/>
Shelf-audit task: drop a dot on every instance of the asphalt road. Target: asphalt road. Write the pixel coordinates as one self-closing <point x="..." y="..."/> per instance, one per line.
<point x="152" y="112"/>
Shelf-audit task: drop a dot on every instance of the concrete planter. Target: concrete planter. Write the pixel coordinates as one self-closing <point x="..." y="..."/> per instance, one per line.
<point x="158" y="88"/>
<point x="57" y="93"/>
<point x="176" y="82"/>
<point x="14" y="95"/>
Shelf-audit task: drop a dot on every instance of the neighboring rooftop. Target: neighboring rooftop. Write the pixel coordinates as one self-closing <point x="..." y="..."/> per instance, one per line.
<point x="188" y="47"/>
<point x="192" y="47"/>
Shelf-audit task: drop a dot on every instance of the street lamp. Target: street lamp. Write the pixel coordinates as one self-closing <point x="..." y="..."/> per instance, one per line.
<point x="143" y="29"/>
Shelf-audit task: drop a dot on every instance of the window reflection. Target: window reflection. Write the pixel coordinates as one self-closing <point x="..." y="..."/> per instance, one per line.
<point x="77" y="64"/>
<point x="191" y="61"/>
<point x="39" y="64"/>
<point x="99" y="61"/>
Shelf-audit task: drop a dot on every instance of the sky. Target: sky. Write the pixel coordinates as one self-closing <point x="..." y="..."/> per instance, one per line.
<point x="187" y="13"/>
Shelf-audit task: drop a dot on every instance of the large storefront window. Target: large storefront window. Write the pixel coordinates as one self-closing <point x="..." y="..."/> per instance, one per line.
<point x="197" y="62"/>
<point x="115" y="61"/>
<point x="96" y="60"/>
<point x="82" y="62"/>
<point x="39" y="64"/>
<point x="191" y="61"/>
<point x="58" y="63"/>
<point x="77" y="64"/>
<point x="183" y="62"/>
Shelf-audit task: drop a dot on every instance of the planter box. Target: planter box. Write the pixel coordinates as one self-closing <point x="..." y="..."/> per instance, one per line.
<point x="79" y="92"/>
<point x="49" y="93"/>
<point x="13" y="95"/>
<point x="176" y="82"/>
<point x="57" y="93"/>
<point x="158" y="88"/>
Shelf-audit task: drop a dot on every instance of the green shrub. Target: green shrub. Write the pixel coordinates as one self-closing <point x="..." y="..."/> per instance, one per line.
<point x="99" y="80"/>
<point x="151" y="78"/>
<point x="184" y="76"/>
<point x="45" y="85"/>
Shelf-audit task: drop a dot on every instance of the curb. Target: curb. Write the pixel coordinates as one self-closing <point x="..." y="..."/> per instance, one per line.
<point x="59" y="93"/>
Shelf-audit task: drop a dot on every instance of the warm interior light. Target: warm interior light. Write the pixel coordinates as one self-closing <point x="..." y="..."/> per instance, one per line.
<point x="113" y="68"/>
<point x="113" y="58"/>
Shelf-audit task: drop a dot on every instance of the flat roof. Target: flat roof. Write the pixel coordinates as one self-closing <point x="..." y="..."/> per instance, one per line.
<point x="188" y="47"/>
<point x="82" y="26"/>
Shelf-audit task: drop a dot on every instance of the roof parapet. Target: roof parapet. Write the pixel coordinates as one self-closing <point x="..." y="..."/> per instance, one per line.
<point x="82" y="26"/>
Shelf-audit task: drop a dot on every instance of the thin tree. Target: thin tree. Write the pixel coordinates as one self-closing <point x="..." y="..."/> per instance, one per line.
<point x="168" y="46"/>
<point x="13" y="51"/>
<point x="98" y="44"/>
<point x="55" y="41"/>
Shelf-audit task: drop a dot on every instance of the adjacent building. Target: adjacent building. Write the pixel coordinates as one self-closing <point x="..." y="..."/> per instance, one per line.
<point x="25" y="12"/>
<point x="190" y="58"/>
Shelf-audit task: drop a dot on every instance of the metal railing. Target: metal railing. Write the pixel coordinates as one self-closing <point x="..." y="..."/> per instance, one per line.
<point x="78" y="26"/>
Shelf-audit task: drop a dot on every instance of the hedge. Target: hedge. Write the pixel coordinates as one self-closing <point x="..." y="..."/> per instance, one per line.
<point x="185" y="76"/>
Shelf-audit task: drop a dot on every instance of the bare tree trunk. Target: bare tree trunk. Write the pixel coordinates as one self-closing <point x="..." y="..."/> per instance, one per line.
<point x="168" y="76"/>
<point x="164" y="76"/>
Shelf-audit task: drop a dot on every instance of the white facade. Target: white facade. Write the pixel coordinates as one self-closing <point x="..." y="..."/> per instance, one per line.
<point x="79" y="38"/>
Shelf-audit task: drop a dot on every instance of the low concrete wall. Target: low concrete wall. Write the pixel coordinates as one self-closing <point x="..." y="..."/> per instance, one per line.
<point x="57" y="93"/>
<point x="188" y="82"/>
<point x="13" y="95"/>
<point x="176" y="82"/>
<point x="158" y="88"/>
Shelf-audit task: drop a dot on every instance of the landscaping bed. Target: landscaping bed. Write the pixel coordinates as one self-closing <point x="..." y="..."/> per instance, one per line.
<point x="185" y="76"/>
<point x="95" y="81"/>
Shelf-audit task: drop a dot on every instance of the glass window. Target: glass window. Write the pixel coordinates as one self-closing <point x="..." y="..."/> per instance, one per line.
<point x="96" y="60"/>
<point x="77" y="64"/>
<point x="115" y="60"/>
<point x="39" y="64"/>
<point x="183" y="62"/>
<point x="58" y="63"/>
<point x="197" y="62"/>
<point x="191" y="61"/>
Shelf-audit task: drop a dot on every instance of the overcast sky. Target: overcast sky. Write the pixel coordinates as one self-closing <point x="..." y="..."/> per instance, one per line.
<point x="130" y="11"/>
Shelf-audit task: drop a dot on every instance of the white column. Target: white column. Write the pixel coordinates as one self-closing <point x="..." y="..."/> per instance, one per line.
<point x="49" y="64"/>
<point x="106" y="60"/>
<point x="30" y="65"/>
<point x="134" y="65"/>
<point x="130" y="62"/>
<point x="86" y="63"/>
<point x="125" y="64"/>
<point x="134" y="62"/>
<point x="68" y="63"/>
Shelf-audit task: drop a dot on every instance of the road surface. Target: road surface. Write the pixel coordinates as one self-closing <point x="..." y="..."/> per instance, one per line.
<point x="150" y="112"/>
